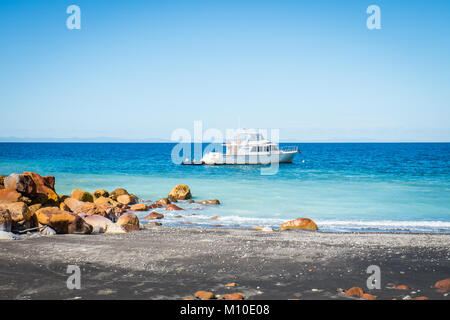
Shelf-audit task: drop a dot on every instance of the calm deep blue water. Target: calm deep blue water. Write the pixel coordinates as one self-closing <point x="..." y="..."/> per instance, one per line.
<point x="342" y="186"/>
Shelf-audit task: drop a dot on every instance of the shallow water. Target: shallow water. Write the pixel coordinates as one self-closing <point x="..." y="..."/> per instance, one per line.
<point x="342" y="186"/>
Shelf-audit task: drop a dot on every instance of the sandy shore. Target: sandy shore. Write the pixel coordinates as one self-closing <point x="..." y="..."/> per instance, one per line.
<point x="173" y="263"/>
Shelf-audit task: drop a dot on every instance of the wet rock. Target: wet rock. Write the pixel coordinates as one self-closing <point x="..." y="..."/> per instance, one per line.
<point x="20" y="215"/>
<point x="9" y="195"/>
<point x="173" y="207"/>
<point x="5" y="220"/>
<point x="129" y="222"/>
<point x="367" y="296"/>
<point x="299" y="223"/>
<point x="64" y="207"/>
<point x="155" y="206"/>
<point x="204" y="295"/>
<point x="179" y="216"/>
<point x="420" y="298"/>
<point x="33" y="208"/>
<point x="354" y="292"/>
<point x="402" y="287"/>
<point x="139" y="207"/>
<point x="233" y="296"/>
<point x="125" y="199"/>
<point x="73" y="204"/>
<point x="90" y="209"/>
<point x="22" y="183"/>
<point x="99" y="223"/>
<point x="215" y="218"/>
<point x="100" y="193"/>
<point x="443" y="285"/>
<point x="105" y="200"/>
<point x="162" y="202"/>
<point x="213" y="202"/>
<point x="45" y="189"/>
<point x="180" y="192"/>
<point x="154" y="215"/>
<point x="62" y="222"/>
<point x="118" y="192"/>
<point x="81" y="195"/>
<point x="231" y="284"/>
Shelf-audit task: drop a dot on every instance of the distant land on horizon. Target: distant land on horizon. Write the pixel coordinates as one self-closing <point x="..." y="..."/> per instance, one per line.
<point x="160" y="140"/>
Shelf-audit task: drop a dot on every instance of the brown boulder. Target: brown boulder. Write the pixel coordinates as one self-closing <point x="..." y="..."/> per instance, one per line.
<point x="22" y="183"/>
<point x="82" y="195"/>
<point x="214" y="202"/>
<point x="367" y="296"/>
<point x="128" y="221"/>
<point x="402" y="287"/>
<point x="45" y="189"/>
<point x="118" y="192"/>
<point x="62" y="221"/>
<point x="9" y="195"/>
<point x="73" y="204"/>
<point x="173" y="207"/>
<point x="139" y="207"/>
<point x="354" y="292"/>
<point x="204" y="295"/>
<point x="154" y="215"/>
<point x="100" y="193"/>
<point x="125" y="199"/>
<point x="5" y="220"/>
<point x="162" y="202"/>
<point x="443" y="285"/>
<point x="180" y="192"/>
<point x="20" y="215"/>
<point x="155" y="206"/>
<point x="233" y="296"/>
<point x="90" y="208"/>
<point x="299" y="223"/>
<point x="104" y="200"/>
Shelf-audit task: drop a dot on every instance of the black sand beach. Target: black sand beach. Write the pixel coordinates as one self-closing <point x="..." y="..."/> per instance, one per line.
<point x="173" y="263"/>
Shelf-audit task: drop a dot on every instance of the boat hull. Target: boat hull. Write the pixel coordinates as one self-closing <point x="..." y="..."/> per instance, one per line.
<point x="222" y="159"/>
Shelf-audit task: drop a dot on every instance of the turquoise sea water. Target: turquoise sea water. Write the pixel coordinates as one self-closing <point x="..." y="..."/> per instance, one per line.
<point x="342" y="186"/>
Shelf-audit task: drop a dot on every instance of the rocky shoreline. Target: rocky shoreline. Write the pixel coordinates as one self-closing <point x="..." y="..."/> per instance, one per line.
<point x="123" y="258"/>
<point x="29" y="204"/>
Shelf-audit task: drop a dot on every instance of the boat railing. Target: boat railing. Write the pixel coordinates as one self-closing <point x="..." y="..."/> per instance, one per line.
<point x="289" y="148"/>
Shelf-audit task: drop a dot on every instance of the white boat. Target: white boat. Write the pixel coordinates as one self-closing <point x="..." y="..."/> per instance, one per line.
<point x="250" y="147"/>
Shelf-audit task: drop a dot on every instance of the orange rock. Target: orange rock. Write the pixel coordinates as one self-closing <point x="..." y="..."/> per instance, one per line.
<point x="402" y="287"/>
<point x="155" y="206"/>
<point x="390" y="285"/>
<point x="5" y="220"/>
<point x="367" y="296"/>
<point x="82" y="195"/>
<point x="118" y="192"/>
<point x="20" y="214"/>
<point x="214" y="202"/>
<point x="154" y="215"/>
<point x="125" y="199"/>
<point x="233" y="296"/>
<point x="180" y="192"/>
<point x="299" y="223"/>
<point x="139" y="207"/>
<point x="173" y="207"/>
<point x="179" y="216"/>
<point x="443" y="285"/>
<point x="62" y="221"/>
<point x="354" y="292"/>
<point x="73" y="204"/>
<point x="258" y="228"/>
<point x="129" y="222"/>
<point x="215" y="218"/>
<point x="420" y="298"/>
<point x="204" y="295"/>
<point x="9" y="195"/>
<point x="231" y="284"/>
<point x="45" y="188"/>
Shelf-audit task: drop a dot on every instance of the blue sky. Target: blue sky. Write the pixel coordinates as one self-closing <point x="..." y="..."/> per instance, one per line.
<point x="141" y="69"/>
